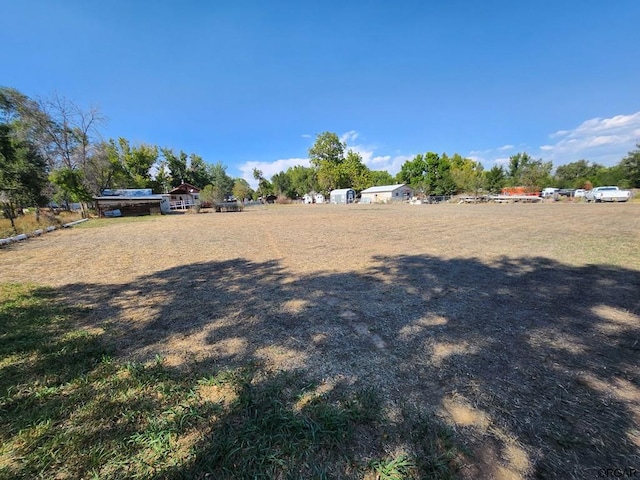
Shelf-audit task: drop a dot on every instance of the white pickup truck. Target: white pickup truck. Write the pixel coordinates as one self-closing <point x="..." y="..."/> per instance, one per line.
<point x="607" y="194"/>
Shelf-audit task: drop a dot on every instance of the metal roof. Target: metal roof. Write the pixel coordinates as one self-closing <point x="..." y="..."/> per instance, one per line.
<point x="117" y="198"/>
<point x="383" y="188"/>
<point x="341" y="190"/>
<point x="185" y="188"/>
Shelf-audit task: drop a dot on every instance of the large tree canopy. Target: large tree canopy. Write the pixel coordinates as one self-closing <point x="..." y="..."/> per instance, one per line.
<point x="630" y="166"/>
<point x="527" y="172"/>
<point x="333" y="168"/>
<point x="23" y="173"/>
<point x="495" y="179"/>
<point x="327" y="149"/>
<point x="429" y="174"/>
<point x="575" y="174"/>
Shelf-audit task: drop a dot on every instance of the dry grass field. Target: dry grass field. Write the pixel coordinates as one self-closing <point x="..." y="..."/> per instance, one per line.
<point x="517" y="326"/>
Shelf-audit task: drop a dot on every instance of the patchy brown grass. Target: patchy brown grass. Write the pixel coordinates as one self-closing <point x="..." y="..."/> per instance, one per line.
<point x="28" y="223"/>
<point x="519" y="325"/>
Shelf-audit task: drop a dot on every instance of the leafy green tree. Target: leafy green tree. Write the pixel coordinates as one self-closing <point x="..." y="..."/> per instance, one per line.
<point x="70" y="185"/>
<point x="414" y="173"/>
<point x="614" y="175"/>
<point x="329" y="176"/>
<point x="525" y="171"/>
<point x="177" y="165"/>
<point x="630" y="166"/>
<point x="221" y="182"/>
<point x="326" y="156"/>
<point x="333" y="168"/>
<point x="282" y="185"/>
<point x="23" y="173"/>
<point x="162" y="180"/>
<point x="439" y="178"/>
<point x="381" y="177"/>
<point x="62" y="133"/>
<point x="136" y="161"/>
<point x="211" y="194"/>
<point x="104" y="169"/>
<point x="264" y="186"/>
<point x="575" y="174"/>
<point x="495" y="179"/>
<point x="327" y="149"/>
<point x="537" y="175"/>
<point x="303" y="180"/>
<point x="198" y="173"/>
<point x="468" y="175"/>
<point x="428" y="174"/>
<point x="354" y="173"/>
<point x="516" y="165"/>
<point x="241" y="189"/>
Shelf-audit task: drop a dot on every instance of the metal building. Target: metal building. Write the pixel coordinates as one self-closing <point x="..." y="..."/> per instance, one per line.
<point x="342" y="195"/>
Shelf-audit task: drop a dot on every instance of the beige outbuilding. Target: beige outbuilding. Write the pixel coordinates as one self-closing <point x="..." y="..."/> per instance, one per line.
<point x="386" y="194"/>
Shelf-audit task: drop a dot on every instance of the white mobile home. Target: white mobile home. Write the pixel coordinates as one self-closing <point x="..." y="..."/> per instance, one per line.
<point x="342" y="195"/>
<point x="386" y="194"/>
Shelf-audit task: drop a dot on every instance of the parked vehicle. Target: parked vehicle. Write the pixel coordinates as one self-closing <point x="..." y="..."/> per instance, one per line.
<point x="549" y="192"/>
<point x="607" y="194"/>
<point x="579" y="193"/>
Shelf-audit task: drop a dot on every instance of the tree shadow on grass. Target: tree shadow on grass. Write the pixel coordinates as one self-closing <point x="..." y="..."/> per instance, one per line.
<point x="532" y="363"/>
<point x="70" y="409"/>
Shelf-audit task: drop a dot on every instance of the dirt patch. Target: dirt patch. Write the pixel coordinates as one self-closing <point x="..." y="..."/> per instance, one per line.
<point x="517" y="324"/>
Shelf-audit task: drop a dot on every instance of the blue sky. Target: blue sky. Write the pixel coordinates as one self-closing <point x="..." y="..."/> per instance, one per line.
<point x="250" y="83"/>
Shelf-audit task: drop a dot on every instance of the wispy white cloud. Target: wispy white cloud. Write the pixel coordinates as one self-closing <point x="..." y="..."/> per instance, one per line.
<point x="349" y="136"/>
<point x="601" y="140"/>
<point x="390" y="163"/>
<point x="269" y="168"/>
<point x="306" y="135"/>
<point x="559" y="133"/>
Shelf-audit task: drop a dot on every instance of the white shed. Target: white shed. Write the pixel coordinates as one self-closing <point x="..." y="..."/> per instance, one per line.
<point x="313" y="197"/>
<point x="342" y="195"/>
<point x="386" y="194"/>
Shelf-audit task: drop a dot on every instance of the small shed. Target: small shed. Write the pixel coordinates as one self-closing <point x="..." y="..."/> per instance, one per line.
<point x="386" y="194"/>
<point x="131" y="202"/>
<point x="342" y="195"/>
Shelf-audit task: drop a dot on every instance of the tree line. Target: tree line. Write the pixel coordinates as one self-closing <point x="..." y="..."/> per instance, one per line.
<point x="333" y="165"/>
<point x="51" y="150"/>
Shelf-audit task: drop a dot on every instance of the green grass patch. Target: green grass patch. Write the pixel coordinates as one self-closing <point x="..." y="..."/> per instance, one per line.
<point x="108" y="222"/>
<point x="70" y="408"/>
